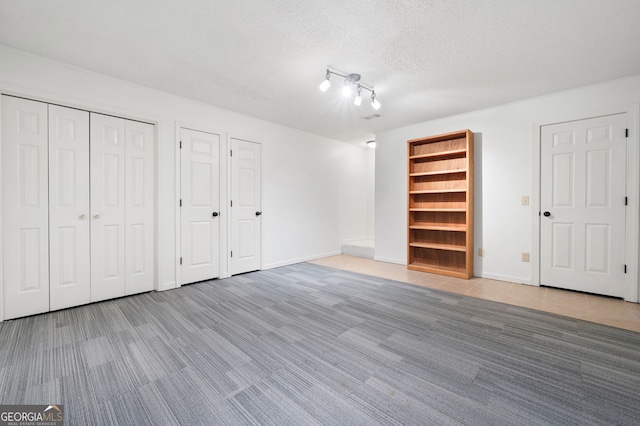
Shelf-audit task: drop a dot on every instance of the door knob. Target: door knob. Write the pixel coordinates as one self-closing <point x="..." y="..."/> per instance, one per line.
<point x="96" y="216"/>
<point x="82" y="216"/>
<point x="214" y="214"/>
<point x="258" y="213"/>
<point x="546" y="214"/>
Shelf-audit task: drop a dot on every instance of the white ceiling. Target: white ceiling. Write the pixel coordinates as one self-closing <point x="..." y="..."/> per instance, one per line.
<point x="266" y="58"/>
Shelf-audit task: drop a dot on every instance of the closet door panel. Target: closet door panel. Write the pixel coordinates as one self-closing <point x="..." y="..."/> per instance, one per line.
<point x="25" y="207"/>
<point x="107" y="146"/>
<point x="69" y="251"/>
<point x="139" y="194"/>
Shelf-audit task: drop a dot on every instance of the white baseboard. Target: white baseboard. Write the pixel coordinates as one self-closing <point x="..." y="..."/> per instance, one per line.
<point x="507" y="278"/>
<point x="389" y="260"/>
<point x="300" y="260"/>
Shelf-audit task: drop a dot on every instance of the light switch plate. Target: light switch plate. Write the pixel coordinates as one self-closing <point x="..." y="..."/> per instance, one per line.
<point x="526" y="257"/>
<point x="525" y="200"/>
<point x="481" y="252"/>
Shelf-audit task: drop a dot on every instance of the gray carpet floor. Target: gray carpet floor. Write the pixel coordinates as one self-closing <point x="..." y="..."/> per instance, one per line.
<point x="308" y="345"/>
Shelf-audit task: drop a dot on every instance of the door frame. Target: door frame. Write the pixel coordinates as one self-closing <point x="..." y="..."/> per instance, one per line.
<point x="244" y="138"/>
<point x="633" y="186"/>
<point x="1" y="225"/>
<point x="224" y="199"/>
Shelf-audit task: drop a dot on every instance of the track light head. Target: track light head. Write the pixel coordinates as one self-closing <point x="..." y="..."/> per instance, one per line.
<point x="358" y="99"/>
<point x="374" y="102"/>
<point x="326" y="83"/>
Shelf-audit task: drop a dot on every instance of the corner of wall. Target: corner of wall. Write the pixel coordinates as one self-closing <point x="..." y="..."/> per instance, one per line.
<point x="300" y="260"/>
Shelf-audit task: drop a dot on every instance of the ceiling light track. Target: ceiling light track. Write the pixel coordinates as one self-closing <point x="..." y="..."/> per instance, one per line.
<point x="351" y="84"/>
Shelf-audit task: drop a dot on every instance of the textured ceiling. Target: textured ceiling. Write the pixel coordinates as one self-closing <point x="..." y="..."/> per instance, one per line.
<point x="425" y="58"/>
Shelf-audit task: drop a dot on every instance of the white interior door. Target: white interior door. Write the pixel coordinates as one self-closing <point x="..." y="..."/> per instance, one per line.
<point x="583" y="181"/>
<point x="200" y="206"/>
<point x="25" y="207"/>
<point x="69" y="221"/>
<point x="107" y="207"/>
<point x="246" y="208"/>
<point x="139" y="194"/>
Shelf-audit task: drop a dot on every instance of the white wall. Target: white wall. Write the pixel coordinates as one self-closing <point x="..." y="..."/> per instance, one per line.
<point x="356" y="198"/>
<point x="304" y="175"/>
<point x="504" y="147"/>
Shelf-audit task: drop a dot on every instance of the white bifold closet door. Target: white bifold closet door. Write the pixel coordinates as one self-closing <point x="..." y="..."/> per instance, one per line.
<point x="140" y="207"/>
<point x="122" y="213"/>
<point x="69" y="251"/>
<point x="107" y="207"/>
<point x="77" y="207"/>
<point x="25" y="212"/>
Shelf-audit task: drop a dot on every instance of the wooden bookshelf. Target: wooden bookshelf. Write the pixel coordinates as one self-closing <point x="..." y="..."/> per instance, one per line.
<point x="440" y="204"/>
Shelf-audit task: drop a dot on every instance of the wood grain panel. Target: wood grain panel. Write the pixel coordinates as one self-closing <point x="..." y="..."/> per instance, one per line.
<point x="447" y="164"/>
<point x="438" y="200"/>
<point x="439" y="182"/>
<point x="438" y="147"/>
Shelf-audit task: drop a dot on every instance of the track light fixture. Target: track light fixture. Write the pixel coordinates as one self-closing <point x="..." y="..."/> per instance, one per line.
<point x="351" y="84"/>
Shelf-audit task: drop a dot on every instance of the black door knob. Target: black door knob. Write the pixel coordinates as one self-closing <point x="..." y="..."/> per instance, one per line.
<point x="214" y="214"/>
<point x="258" y="213"/>
<point x="547" y="214"/>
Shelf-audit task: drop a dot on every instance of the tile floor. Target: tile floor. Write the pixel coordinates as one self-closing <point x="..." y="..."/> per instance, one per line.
<point x="599" y="309"/>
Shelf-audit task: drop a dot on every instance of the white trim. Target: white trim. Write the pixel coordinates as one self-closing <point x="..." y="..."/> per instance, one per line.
<point x="261" y="205"/>
<point x="633" y="209"/>
<point x="506" y="278"/>
<point x="1" y="224"/>
<point x="156" y="205"/>
<point x="300" y="260"/>
<point x="535" y="205"/>
<point x="82" y="104"/>
<point x="225" y="210"/>
<point x="176" y="203"/>
<point x="227" y="206"/>
<point x="389" y="260"/>
<point x="633" y="188"/>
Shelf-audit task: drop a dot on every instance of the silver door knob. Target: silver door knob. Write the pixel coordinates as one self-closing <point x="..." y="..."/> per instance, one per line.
<point x="82" y="216"/>
<point x="96" y="216"/>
